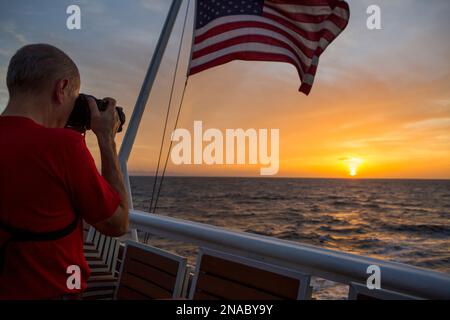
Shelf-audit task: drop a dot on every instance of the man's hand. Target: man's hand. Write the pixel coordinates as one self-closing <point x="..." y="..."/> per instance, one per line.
<point x="104" y="124"/>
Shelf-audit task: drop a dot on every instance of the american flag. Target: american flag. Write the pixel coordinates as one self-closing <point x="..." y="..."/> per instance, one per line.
<point x="292" y="31"/>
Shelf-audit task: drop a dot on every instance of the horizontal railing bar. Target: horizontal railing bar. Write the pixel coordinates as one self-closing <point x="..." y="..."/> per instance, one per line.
<point x="328" y="264"/>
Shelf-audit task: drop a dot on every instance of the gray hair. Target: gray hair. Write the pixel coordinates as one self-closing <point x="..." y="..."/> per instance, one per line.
<point x="36" y="66"/>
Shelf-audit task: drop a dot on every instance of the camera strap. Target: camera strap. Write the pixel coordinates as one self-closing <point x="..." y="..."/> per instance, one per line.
<point x="10" y="235"/>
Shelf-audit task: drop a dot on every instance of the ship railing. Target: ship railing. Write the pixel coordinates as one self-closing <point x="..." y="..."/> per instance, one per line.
<point x="340" y="267"/>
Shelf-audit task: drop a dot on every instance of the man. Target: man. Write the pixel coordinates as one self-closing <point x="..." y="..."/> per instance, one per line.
<point x="48" y="178"/>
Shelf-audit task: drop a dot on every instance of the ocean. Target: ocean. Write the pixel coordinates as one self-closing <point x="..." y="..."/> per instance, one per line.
<point x="405" y="221"/>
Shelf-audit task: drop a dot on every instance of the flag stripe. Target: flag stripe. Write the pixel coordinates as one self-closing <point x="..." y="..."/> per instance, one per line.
<point x="247" y="46"/>
<point x="310" y="27"/>
<point x="310" y="31"/>
<point x="291" y="31"/>
<point x="248" y="56"/>
<point x="312" y="37"/>
<point x="308" y="10"/>
<point x="252" y="35"/>
<point x="250" y="41"/>
<point x="255" y="21"/>
<point x="257" y="28"/>
<point x="311" y="11"/>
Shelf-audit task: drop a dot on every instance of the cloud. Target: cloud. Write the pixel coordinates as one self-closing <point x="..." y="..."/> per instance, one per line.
<point x="402" y="50"/>
<point x="92" y="7"/>
<point x="156" y="6"/>
<point x="434" y="123"/>
<point x="11" y="30"/>
<point x="441" y="102"/>
<point x="5" y="53"/>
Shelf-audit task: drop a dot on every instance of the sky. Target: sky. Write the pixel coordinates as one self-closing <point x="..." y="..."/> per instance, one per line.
<point x="381" y="98"/>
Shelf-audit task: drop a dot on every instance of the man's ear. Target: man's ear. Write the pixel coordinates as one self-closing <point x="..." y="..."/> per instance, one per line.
<point x="61" y="90"/>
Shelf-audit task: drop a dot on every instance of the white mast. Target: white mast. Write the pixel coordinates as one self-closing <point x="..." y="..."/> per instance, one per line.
<point x="147" y="85"/>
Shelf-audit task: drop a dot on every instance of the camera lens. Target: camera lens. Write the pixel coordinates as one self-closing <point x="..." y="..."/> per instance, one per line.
<point x="80" y="118"/>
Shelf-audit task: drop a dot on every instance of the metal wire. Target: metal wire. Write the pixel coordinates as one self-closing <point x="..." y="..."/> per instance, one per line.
<point x="167" y="117"/>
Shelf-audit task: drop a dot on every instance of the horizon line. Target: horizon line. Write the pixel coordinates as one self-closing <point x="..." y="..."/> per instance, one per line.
<point x="285" y="177"/>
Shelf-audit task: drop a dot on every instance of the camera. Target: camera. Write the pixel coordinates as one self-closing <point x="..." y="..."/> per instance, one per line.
<point x="80" y="118"/>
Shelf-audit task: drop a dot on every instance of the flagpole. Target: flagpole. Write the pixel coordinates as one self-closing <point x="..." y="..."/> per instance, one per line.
<point x="147" y="85"/>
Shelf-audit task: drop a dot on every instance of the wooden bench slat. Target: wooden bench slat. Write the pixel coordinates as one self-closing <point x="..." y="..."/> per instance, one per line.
<point x="112" y="280"/>
<point x="144" y="287"/>
<point x="125" y="293"/>
<point x="201" y="295"/>
<point x="106" y="296"/>
<point x="231" y="290"/>
<point x="90" y="250"/>
<point x="156" y="276"/>
<point x="100" y="273"/>
<point x="276" y="284"/>
<point x="152" y="259"/>
<point x="94" y="260"/>
<point x="97" y="290"/>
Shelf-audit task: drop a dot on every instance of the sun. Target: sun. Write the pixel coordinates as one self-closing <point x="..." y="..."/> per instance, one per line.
<point x="353" y="165"/>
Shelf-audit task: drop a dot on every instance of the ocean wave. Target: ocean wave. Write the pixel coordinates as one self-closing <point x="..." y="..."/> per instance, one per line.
<point x="271" y="197"/>
<point x="371" y="206"/>
<point x="419" y="228"/>
<point x="384" y="219"/>
<point x="343" y="230"/>
<point x="430" y="262"/>
<point x="367" y="243"/>
<point x="340" y="203"/>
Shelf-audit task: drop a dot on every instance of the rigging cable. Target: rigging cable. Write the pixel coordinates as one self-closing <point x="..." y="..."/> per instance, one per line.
<point x="170" y="147"/>
<point x="167" y="116"/>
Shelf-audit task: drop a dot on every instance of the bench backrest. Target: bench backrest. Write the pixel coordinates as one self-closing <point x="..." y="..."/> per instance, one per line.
<point x="226" y="276"/>
<point x="150" y="273"/>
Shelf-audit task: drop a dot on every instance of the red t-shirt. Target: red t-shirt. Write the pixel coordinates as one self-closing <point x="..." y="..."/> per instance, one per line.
<point x="46" y="176"/>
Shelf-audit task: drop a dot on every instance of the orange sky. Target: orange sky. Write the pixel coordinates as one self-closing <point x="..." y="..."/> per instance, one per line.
<point x="399" y="130"/>
<point x="381" y="96"/>
<point x="378" y="96"/>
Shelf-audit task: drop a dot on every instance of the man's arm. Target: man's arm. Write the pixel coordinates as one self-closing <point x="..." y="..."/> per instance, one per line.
<point x="105" y="125"/>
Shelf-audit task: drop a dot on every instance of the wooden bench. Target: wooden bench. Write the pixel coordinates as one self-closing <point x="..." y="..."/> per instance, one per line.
<point x="223" y="276"/>
<point x="150" y="273"/>
<point x="101" y="253"/>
